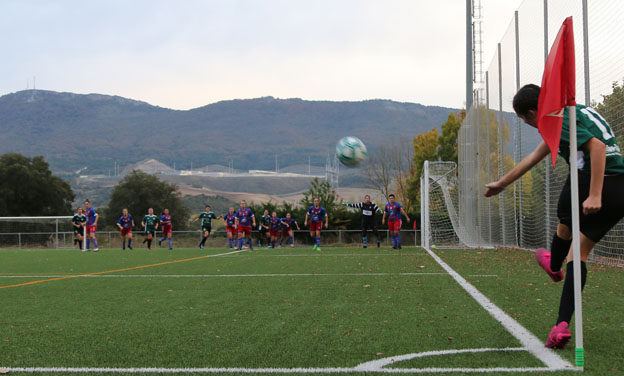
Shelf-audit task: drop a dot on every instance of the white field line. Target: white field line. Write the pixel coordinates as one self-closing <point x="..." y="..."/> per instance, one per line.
<point x="526" y="338"/>
<point x="375" y="366"/>
<point x="258" y="254"/>
<point x="241" y="275"/>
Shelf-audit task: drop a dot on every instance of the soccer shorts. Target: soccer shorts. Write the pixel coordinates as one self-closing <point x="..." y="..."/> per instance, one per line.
<point x="230" y="229"/>
<point x="126" y="230"/>
<point x="285" y="232"/>
<point x="263" y="230"/>
<point x="369" y="223"/>
<point x="207" y="229"/>
<point x="395" y="225"/>
<point x="166" y="229"/>
<point x="149" y="231"/>
<point x="244" y="230"/>
<point x="91" y="229"/>
<point x="595" y="225"/>
<point x="316" y="226"/>
<point x="274" y="233"/>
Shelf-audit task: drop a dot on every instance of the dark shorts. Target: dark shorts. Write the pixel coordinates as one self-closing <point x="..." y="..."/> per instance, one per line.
<point x="207" y="229"/>
<point x="595" y="225"/>
<point x="316" y="226"/>
<point x="369" y="223"/>
<point x="274" y="233"/>
<point x="263" y="230"/>
<point x="166" y="229"/>
<point x="150" y="231"/>
<point x="126" y="230"/>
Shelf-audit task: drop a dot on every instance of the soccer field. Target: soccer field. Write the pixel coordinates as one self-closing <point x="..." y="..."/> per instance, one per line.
<point x="293" y="311"/>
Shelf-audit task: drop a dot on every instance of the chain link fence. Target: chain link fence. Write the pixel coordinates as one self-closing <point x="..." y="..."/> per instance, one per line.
<point x="492" y="139"/>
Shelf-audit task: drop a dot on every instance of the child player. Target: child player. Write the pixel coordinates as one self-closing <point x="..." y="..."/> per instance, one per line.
<point x="316" y="214"/>
<point x="91" y="225"/>
<point x="394" y="210"/>
<point x="263" y="229"/>
<point x="369" y="218"/>
<point x="206" y="224"/>
<point x="600" y="184"/>
<point x="231" y="225"/>
<point x="166" y="227"/>
<point x="246" y="220"/>
<point x="150" y="224"/>
<point x="274" y="227"/>
<point x="288" y="225"/>
<point x="78" y="222"/>
<point x="125" y="224"/>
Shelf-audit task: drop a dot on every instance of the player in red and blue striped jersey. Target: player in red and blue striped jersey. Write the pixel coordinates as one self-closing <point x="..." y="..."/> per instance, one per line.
<point x="274" y="227"/>
<point x="394" y="210"/>
<point x="316" y="214"/>
<point x="166" y="227"/>
<point x="288" y="226"/>
<point x="246" y="220"/>
<point x="231" y="225"/>
<point x="91" y="226"/>
<point x="125" y="224"/>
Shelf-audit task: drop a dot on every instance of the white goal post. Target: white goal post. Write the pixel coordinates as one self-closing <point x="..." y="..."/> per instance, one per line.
<point x="52" y="232"/>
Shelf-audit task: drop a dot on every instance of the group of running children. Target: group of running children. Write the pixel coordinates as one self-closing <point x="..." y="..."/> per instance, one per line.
<point x="239" y="223"/>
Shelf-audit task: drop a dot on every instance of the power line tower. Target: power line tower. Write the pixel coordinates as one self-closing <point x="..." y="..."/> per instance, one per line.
<point x="332" y="170"/>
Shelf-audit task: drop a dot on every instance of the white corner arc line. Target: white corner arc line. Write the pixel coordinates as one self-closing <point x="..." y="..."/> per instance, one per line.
<point x="526" y="338"/>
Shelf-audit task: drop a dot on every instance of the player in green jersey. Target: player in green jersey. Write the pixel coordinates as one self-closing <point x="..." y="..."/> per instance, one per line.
<point x="206" y="224"/>
<point x="150" y="224"/>
<point x="600" y="183"/>
<point x="263" y="229"/>
<point x="78" y="222"/>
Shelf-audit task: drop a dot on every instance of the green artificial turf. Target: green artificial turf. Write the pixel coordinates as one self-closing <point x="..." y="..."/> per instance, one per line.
<point x="287" y="308"/>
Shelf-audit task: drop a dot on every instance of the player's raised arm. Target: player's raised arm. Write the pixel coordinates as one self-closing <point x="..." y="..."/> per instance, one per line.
<point x="540" y="152"/>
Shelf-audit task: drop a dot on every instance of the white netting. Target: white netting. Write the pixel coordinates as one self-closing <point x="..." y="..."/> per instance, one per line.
<point x="492" y="140"/>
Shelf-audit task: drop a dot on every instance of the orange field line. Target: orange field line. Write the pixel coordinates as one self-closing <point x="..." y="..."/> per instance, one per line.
<point x="105" y="272"/>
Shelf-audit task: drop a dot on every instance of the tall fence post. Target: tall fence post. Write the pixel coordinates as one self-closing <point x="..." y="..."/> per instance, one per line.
<point x="501" y="151"/>
<point x="56" y="234"/>
<point x="519" y="131"/>
<point x="489" y="153"/>
<point x="546" y="163"/>
<point x="586" y="54"/>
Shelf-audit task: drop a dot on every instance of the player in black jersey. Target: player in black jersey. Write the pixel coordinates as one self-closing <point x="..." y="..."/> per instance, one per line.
<point x="369" y="219"/>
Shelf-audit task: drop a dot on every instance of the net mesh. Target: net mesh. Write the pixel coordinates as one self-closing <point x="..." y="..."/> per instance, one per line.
<point x="42" y="232"/>
<point x="492" y="140"/>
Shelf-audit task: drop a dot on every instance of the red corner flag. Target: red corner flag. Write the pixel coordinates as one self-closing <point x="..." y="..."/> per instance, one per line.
<point x="558" y="88"/>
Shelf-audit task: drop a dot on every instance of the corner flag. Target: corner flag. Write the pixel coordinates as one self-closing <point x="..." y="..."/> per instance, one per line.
<point x="558" y="88"/>
<point x="557" y="92"/>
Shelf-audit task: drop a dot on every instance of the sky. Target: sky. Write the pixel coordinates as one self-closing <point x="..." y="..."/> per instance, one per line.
<point x="185" y="54"/>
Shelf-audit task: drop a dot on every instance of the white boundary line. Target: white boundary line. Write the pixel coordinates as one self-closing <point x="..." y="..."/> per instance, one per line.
<point x="240" y="275"/>
<point x="375" y="366"/>
<point x="526" y="338"/>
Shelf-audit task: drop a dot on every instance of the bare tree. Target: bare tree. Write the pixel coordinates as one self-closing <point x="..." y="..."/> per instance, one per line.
<point x="389" y="168"/>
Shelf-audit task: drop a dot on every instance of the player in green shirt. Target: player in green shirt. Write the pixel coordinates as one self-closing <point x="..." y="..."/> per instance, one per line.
<point x="263" y="229"/>
<point x="206" y="224"/>
<point x="150" y="224"/>
<point x="78" y="222"/>
<point x="600" y="184"/>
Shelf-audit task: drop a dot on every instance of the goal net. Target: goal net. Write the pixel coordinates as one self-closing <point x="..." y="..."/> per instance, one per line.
<point x="36" y="232"/>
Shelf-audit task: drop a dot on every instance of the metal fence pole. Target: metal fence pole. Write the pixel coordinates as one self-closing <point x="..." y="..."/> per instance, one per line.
<point x="488" y="162"/>
<point x="56" y="234"/>
<point x="501" y="166"/>
<point x="546" y="163"/>
<point x="19" y="240"/>
<point x="586" y="53"/>
<point x="519" y="139"/>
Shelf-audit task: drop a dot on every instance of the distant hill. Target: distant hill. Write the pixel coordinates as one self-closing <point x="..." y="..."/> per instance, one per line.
<point x="73" y="131"/>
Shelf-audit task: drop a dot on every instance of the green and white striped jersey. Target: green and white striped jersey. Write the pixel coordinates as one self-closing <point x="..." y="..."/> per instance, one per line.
<point x="590" y="123"/>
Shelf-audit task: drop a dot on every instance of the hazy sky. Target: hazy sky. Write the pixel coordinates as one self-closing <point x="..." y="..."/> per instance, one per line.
<point x="184" y="54"/>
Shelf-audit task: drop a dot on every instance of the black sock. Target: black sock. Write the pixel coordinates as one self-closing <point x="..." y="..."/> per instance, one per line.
<point x="144" y="240"/>
<point x="149" y="243"/>
<point x="558" y="252"/>
<point x="203" y="240"/>
<point x="566" y="305"/>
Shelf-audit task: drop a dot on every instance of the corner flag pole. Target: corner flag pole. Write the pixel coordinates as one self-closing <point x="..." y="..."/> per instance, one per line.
<point x="576" y="240"/>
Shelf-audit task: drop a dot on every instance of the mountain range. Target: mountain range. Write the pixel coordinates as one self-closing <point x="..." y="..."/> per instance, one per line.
<point x="93" y="132"/>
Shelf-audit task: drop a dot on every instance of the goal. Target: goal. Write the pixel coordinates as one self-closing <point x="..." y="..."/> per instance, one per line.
<point x="55" y="232"/>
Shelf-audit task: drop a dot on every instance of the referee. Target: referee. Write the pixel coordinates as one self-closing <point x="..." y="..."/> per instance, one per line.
<point x="369" y="220"/>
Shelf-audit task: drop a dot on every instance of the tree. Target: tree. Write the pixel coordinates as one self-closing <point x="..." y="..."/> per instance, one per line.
<point x="611" y="109"/>
<point x="425" y="149"/>
<point x="321" y="189"/>
<point x="138" y="192"/>
<point x="448" y="139"/>
<point x="28" y="188"/>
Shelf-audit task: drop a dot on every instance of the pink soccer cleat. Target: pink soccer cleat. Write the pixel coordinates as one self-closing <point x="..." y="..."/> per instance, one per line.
<point x="559" y="336"/>
<point x="543" y="259"/>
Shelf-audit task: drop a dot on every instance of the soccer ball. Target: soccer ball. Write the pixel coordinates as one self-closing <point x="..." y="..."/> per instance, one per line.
<point x="351" y="151"/>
